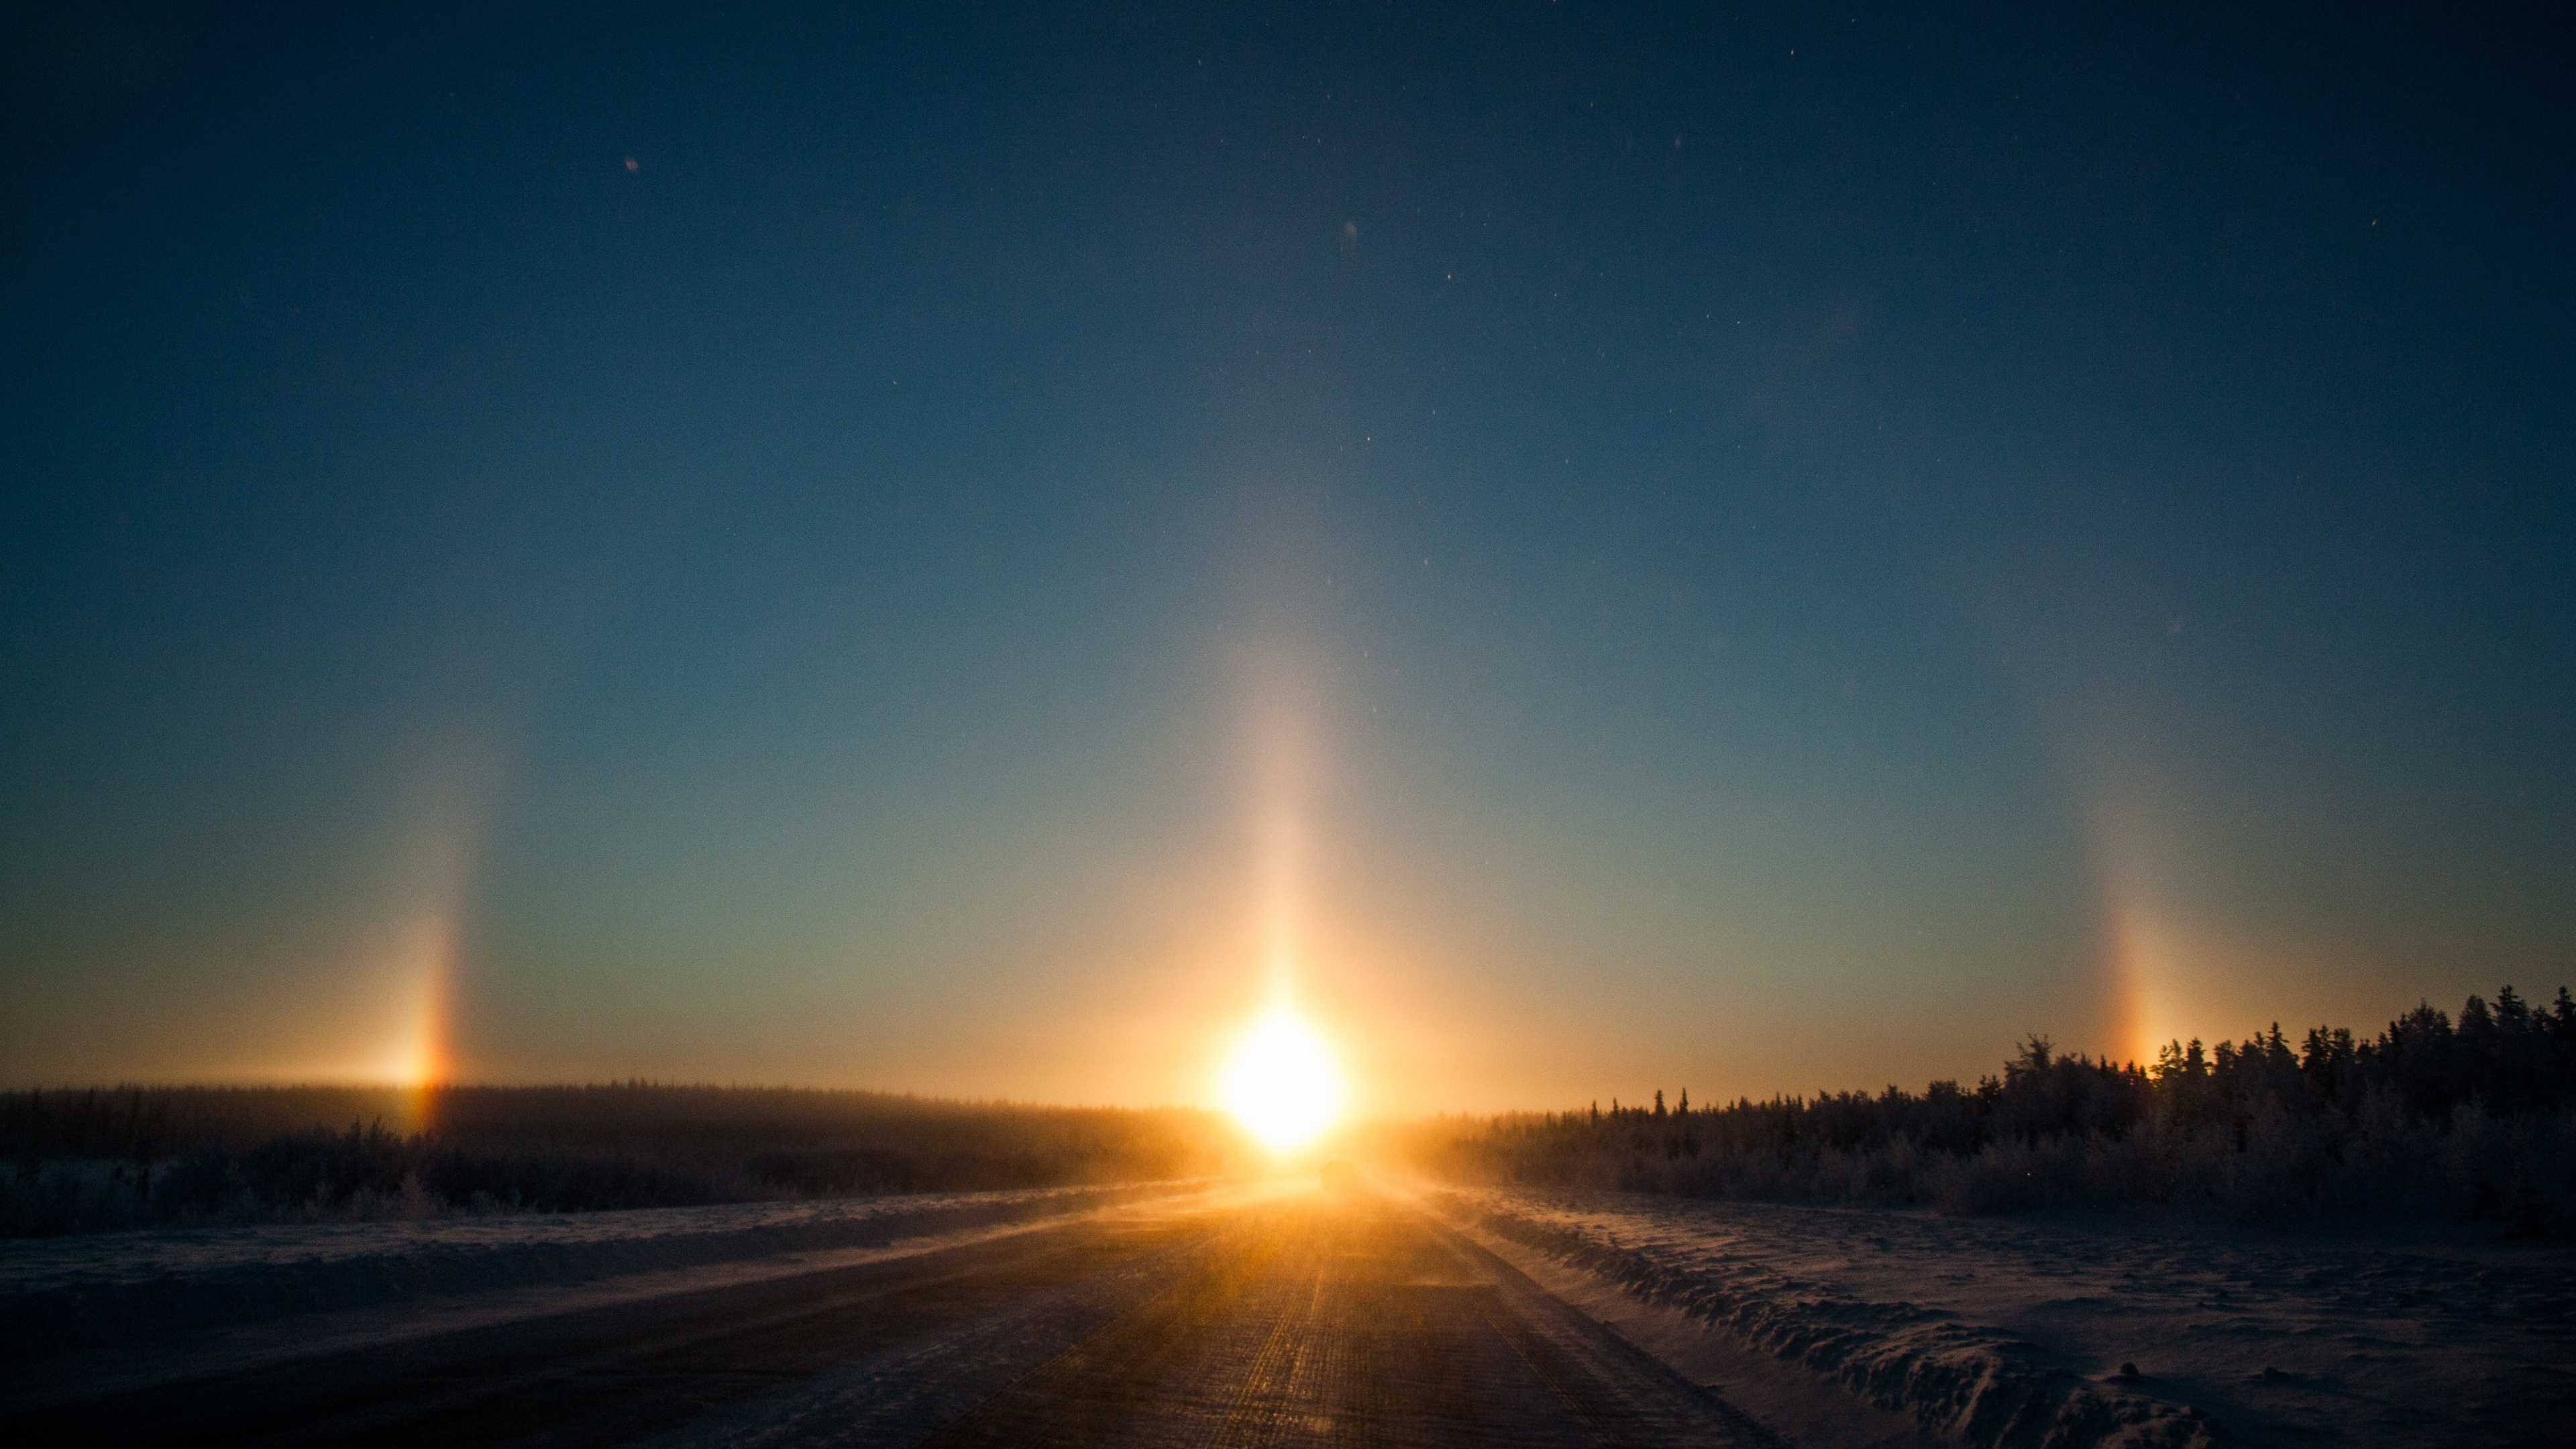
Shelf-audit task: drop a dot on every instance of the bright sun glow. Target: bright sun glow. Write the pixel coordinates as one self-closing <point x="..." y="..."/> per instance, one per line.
<point x="1282" y="1084"/>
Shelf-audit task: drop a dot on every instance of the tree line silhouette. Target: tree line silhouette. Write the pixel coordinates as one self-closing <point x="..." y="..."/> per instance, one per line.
<point x="2473" y="1117"/>
<point x="94" y="1159"/>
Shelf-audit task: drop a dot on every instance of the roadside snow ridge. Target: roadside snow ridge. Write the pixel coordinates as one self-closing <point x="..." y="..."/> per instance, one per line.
<point x="1979" y="1387"/>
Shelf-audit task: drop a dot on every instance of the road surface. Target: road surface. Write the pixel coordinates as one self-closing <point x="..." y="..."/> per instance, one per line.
<point x="1298" y="1319"/>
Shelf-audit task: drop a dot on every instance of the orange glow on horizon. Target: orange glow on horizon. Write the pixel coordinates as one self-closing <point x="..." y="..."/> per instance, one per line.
<point x="2139" y="958"/>
<point x="2175" y="968"/>
<point x="419" y="1056"/>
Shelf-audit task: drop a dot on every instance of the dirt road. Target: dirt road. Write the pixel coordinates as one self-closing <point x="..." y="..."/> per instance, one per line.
<point x="1293" y="1320"/>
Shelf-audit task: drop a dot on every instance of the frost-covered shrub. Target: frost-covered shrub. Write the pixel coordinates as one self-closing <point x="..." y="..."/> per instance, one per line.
<point x="88" y="1161"/>
<point x="2477" y="1120"/>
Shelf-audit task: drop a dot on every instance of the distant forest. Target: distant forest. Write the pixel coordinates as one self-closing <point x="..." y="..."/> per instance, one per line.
<point x="2470" y="1118"/>
<point x="76" y="1161"/>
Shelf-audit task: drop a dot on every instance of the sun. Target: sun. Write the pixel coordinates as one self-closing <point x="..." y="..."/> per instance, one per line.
<point x="1282" y="1084"/>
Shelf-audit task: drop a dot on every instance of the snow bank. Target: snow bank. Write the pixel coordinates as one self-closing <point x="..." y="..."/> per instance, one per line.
<point x="1977" y="1386"/>
<point x="67" y="1293"/>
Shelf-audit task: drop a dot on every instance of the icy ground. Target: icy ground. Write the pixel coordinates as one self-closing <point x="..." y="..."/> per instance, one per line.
<point x="2005" y="1330"/>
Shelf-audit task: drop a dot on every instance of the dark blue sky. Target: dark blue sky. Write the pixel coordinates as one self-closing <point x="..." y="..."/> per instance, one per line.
<point x="1799" y="544"/>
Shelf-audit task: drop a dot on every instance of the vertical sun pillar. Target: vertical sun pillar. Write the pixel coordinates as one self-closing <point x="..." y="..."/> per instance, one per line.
<point x="1282" y="1082"/>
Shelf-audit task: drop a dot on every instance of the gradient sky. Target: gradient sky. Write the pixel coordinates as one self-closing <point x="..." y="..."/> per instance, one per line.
<point x="1749" y="550"/>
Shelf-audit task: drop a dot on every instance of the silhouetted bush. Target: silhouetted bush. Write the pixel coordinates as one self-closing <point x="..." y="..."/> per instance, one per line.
<point x="2475" y="1118"/>
<point x="93" y="1160"/>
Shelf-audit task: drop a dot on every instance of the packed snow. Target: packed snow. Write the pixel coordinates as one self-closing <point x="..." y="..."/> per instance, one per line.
<point x="2100" y="1330"/>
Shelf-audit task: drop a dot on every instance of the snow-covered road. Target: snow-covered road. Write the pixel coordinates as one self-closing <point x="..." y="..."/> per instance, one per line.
<point x="1207" y="1314"/>
<point x="1231" y="1317"/>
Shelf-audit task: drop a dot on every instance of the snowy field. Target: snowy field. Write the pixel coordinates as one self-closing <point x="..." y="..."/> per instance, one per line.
<point x="2009" y="1330"/>
<point x="59" y="1294"/>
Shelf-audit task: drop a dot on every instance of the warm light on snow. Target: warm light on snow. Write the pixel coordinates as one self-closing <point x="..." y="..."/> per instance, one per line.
<point x="1282" y="1084"/>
